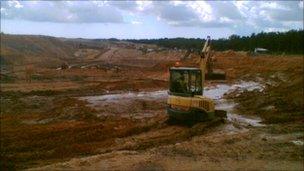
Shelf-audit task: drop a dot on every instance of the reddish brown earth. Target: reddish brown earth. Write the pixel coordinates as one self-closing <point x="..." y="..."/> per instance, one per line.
<point x="50" y="123"/>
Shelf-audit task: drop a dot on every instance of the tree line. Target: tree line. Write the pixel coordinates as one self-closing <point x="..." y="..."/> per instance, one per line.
<point x="291" y="42"/>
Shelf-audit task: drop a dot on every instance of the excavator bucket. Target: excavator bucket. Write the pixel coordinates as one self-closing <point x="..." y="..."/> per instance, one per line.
<point x="216" y="75"/>
<point x="220" y="113"/>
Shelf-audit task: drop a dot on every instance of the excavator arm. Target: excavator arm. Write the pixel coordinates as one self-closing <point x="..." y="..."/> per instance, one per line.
<point x="206" y="64"/>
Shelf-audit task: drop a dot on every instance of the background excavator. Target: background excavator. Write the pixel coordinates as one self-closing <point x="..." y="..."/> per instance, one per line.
<point x="186" y="101"/>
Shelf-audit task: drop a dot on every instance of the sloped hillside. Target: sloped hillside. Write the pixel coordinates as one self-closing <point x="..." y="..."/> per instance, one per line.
<point x="37" y="50"/>
<point x="51" y="52"/>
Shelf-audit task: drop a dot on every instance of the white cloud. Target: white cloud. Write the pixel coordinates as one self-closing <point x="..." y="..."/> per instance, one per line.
<point x="270" y="15"/>
<point x="235" y="15"/>
<point x="301" y="4"/>
<point x="272" y="5"/>
<point x="226" y="20"/>
<point x="143" y="5"/>
<point x="15" y="4"/>
<point x="176" y="3"/>
<point x="202" y="9"/>
<point x="60" y="11"/>
<point x="187" y="14"/>
<point x="123" y="5"/>
<point x="136" y="22"/>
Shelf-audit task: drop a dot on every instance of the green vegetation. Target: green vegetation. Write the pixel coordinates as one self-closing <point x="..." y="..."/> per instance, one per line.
<point x="291" y="42"/>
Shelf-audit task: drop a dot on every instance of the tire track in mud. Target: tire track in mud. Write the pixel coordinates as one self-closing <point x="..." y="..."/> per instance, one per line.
<point x="160" y="134"/>
<point x="172" y="138"/>
<point x="163" y="134"/>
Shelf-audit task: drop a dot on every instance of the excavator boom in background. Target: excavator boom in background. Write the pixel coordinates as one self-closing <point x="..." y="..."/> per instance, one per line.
<point x="207" y="64"/>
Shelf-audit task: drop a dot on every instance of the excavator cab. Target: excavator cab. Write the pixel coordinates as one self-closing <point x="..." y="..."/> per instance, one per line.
<point x="186" y="82"/>
<point x="185" y="102"/>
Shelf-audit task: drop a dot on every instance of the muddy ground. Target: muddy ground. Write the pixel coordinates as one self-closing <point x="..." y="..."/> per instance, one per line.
<point x="89" y="118"/>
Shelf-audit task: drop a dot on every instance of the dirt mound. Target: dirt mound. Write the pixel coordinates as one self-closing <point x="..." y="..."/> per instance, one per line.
<point x="44" y="50"/>
<point x="231" y="53"/>
<point x="137" y="58"/>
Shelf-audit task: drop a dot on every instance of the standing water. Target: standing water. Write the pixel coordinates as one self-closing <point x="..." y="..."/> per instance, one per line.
<point x="214" y="92"/>
<point x="217" y="92"/>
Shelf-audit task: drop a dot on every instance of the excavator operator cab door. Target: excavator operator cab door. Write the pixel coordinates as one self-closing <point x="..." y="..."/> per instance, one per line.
<point x="185" y="82"/>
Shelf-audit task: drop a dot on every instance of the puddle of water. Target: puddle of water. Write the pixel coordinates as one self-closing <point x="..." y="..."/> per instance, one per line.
<point x="129" y="95"/>
<point x="214" y="92"/>
<point x="298" y="142"/>
<point x="245" y="121"/>
<point x="249" y="86"/>
<point x="217" y="92"/>
<point x="231" y="129"/>
<point x="227" y="105"/>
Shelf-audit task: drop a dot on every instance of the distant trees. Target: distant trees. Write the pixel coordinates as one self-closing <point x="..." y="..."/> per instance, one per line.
<point x="288" y="42"/>
<point x="291" y="42"/>
<point x="181" y="43"/>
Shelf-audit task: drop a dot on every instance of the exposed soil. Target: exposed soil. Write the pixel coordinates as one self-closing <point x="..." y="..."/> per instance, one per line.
<point x="114" y="117"/>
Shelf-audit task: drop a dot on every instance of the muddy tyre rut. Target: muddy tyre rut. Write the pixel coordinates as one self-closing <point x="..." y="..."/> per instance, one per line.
<point x="163" y="134"/>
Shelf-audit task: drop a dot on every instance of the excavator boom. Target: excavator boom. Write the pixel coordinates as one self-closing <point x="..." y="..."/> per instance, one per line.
<point x="206" y="64"/>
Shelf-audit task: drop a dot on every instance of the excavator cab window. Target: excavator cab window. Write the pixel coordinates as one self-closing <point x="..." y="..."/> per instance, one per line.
<point x="196" y="83"/>
<point x="185" y="82"/>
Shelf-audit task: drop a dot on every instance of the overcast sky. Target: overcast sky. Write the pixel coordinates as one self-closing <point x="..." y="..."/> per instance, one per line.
<point x="149" y="19"/>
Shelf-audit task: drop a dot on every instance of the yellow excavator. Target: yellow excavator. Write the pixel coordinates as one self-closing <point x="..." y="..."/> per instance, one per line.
<point x="186" y="101"/>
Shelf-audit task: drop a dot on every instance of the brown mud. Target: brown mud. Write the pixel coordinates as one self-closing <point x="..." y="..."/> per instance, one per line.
<point x="101" y="119"/>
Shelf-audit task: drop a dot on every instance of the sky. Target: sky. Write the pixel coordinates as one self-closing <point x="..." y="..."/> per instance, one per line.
<point x="149" y="19"/>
